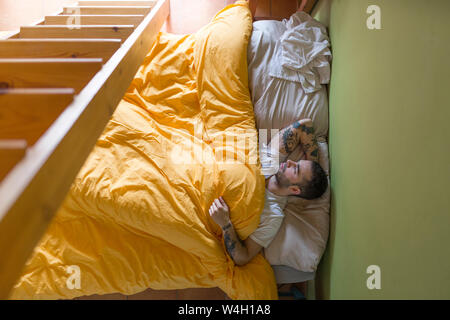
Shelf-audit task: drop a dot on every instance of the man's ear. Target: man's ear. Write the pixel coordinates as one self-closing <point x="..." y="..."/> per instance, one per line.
<point x="295" y="190"/>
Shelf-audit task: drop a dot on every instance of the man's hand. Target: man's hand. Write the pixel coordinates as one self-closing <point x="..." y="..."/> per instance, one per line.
<point x="220" y="212"/>
<point x="241" y="252"/>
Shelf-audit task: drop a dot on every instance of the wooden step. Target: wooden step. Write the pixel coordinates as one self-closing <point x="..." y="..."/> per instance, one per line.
<point x="117" y="3"/>
<point x="97" y="10"/>
<point x="85" y="32"/>
<point x="27" y="113"/>
<point x="74" y="20"/>
<point x="47" y="73"/>
<point x="11" y="152"/>
<point x="59" y="48"/>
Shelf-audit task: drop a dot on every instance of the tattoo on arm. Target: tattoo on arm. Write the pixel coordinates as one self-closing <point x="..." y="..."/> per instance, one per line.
<point x="300" y="132"/>
<point x="288" y="139"/>
<point x="235" y="246"/>
<point x="308" y="140"/>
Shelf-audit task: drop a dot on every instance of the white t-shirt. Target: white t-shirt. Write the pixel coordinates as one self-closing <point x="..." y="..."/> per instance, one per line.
<point x="272" y="214"/>
<point x="271" y="219"/>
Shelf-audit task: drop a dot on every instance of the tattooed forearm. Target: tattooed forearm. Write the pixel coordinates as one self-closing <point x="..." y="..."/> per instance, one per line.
<point x="235" y="246"/>
<point x="230" y="244"/>
<point x="300" y="132"/>
<point x="289" y="140"/>
<point x="308" y="140"/>
<point x="304" y="127"/>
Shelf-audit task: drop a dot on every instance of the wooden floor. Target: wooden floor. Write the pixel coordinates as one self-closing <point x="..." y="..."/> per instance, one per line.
<point x="188" y="17"/>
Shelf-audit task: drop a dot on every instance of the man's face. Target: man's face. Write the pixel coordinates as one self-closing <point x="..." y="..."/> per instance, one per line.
<point x="290" y="174"/>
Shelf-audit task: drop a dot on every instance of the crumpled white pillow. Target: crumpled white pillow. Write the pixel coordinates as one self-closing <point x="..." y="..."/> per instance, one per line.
<point x="279" y="101"/>
<point x="303" y="55"/>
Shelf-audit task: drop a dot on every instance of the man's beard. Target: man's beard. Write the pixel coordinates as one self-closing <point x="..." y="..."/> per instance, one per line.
<point x="282" y="181"/>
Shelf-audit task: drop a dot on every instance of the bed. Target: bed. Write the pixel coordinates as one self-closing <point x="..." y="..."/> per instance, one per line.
<point x="136" y="215"/>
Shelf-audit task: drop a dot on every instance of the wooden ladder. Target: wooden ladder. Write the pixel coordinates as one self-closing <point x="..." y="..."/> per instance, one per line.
<point x="60" y="82"/>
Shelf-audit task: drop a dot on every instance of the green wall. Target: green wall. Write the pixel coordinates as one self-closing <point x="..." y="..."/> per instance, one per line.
<point x="389" y="150"/>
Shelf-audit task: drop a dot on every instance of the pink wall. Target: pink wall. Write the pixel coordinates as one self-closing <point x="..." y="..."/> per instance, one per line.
<point x="16" y="13"/>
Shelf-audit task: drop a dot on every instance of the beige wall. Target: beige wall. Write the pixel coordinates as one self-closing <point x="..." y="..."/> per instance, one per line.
<point x="16" y="13"/>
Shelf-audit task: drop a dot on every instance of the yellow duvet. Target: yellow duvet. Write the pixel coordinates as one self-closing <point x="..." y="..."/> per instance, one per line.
<point x="136" y="216"/>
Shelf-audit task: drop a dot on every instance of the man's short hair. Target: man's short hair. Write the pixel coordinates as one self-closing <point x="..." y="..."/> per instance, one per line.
<point x="318" y="184"/>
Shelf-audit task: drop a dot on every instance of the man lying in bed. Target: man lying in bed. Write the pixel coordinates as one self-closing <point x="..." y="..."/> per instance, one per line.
<point x="305" y="179"/>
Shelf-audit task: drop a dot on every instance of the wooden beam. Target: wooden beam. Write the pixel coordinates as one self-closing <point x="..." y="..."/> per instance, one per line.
<point x="59" y="48"/>
<point x="27" y="113"/>
<point x="87" y="31"/>
<point x="48" y="73"/>
<point x="34" y="190"/>
<point x="282" y="9"/>
<point x="263" y="8"/>
<point x="114" y="10"/>
<point x="74" y="19"/>
<point x="11" y="152"/>
<point x="268" y="18"/>
<point x="117" y="3"/>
